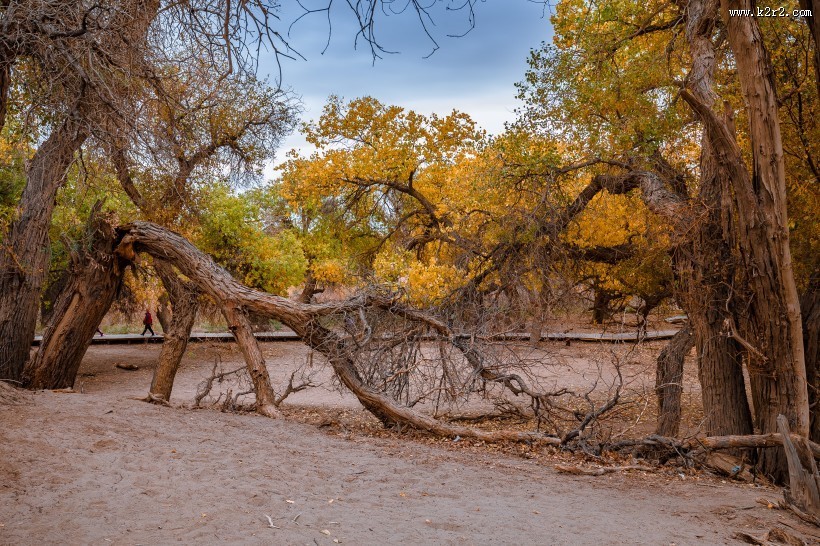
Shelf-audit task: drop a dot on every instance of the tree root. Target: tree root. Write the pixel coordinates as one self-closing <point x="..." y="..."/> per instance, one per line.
<point x="158" y="399"/>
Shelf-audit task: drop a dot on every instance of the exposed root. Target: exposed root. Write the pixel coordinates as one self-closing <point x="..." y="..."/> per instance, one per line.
<point x="269" y="410"/>
<point x="152" y="398"/>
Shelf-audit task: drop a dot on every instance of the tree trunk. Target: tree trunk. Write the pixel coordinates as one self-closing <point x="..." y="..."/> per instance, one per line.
<point x="25" y="254"/>
<point x="237" y="300"/>
<point x="164" y="311"/>
<point x="810" y="310"/>
<point x="5" y="84"/>
<point x="240" y="326"/>
<point x="769" y="325"/>
<point x="600" y="305"/>
<point x="668" y="381"/>
<point x="310" y="289"/>
<point x="704" y="266"/>
<point x="184" y="299"/>
<point x="813" y="7"/>
<point x="95" y="278"/>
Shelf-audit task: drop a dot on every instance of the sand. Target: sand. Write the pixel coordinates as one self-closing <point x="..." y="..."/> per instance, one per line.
<point x="102" y="467"/>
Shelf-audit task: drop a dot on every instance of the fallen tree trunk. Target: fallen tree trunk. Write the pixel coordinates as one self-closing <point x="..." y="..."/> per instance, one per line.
<point x="237" y="300"/>
<point x="717" y="443"/>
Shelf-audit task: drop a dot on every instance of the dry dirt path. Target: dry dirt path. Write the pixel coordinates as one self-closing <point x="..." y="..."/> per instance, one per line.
<point x="102" y="468"/>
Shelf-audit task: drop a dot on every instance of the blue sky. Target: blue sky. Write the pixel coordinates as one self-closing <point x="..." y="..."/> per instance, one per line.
<point x="474" y="73"/>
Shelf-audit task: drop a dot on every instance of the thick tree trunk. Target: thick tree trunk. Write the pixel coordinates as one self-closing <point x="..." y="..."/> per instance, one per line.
<point x="25" y="254"/>
<point x="810" y="310"/>
<point x="704" y="267"/>
<point x="184" y="299"/>
<point x="92" y="287"/>
<point x="770" y="326"/>
<point x="669" y="381"/>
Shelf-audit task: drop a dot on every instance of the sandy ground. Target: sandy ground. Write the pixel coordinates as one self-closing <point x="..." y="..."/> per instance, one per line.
<point x="100" y="467"/>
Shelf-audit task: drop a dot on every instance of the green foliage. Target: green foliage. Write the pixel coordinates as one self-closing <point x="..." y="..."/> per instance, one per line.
<point x="231" y="231"/>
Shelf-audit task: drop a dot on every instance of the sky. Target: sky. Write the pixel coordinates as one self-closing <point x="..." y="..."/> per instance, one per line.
<point x="475" y="73"/>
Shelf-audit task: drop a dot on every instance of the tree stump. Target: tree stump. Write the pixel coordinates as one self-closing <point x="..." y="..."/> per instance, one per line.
<point x="804" y="481"/>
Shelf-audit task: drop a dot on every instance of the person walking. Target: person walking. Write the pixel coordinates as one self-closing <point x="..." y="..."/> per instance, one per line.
<point x="148" y="320"/>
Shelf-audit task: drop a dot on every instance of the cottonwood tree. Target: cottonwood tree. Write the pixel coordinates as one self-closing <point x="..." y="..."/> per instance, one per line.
<point x="89" y="63"/>
<point x="733" y="261"/>
<point x="191" y="126"/>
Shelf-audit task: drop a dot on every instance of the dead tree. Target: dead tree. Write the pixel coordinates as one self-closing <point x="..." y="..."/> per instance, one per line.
<point x="95" y="276"/>
<point x="237" y="300"/>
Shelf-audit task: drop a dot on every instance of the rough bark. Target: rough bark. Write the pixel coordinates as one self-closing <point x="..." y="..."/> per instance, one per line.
<point x="184" y="299"/>
<point x="25" y="254"/>
<point x="704" y="266"/>
<point x="668" y="381"/>
<point x="240" y="326"/>
<point x="769" y="325"/>
<point x="810" y="310"/>
<point x="95" y="277"/>
<point x="804" y="481"/>
<point x="237" y="300"/>
<point x="813" y="6"/>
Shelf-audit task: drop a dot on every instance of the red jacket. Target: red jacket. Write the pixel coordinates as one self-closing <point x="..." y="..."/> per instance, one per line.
<point x="148" y="320"/>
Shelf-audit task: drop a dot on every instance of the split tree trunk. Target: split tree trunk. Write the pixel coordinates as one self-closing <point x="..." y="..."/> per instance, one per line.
<point x="184" y="298"/>
<point x="705" y="268"/>
<point x="95" y="278"/>
<point x="770" y="323"/>
<point x="669" y="381"/>
<point x="25" y="254"/>
<point x="24" y="258"/>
